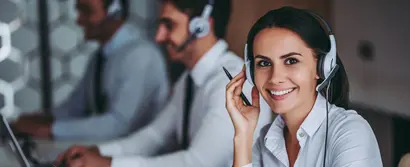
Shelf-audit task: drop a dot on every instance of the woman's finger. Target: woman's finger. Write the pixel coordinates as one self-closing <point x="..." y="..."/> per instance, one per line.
<point x="255" y="97"/>
<point x="235" y="79"/>
<point x="238" y="89"/>
<point x="78" y="162"/>
<point x="237" y="94"/>
<point x="75" y="152"/>
<point x="230" y="92"/>
<point x="234" y="100"/>
<point x="232" y="88"/>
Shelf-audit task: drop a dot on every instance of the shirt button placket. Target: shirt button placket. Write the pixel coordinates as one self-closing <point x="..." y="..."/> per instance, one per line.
<point x="301" y="138"/>
<point x="301" y="134"/>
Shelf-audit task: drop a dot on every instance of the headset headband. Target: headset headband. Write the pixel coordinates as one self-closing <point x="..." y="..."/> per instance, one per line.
<point x="114" y="8"/>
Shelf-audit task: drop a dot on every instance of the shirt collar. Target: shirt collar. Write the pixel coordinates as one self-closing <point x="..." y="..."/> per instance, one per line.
<point x="203" y="67"/>
<point x="276" y="129"/>
<point x="310" y="125"/>
<point x="315" y="118"/>
<point x="124" y="34"/>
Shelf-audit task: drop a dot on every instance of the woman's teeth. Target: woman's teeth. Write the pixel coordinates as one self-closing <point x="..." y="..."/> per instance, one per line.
<point x="282" y="92"/>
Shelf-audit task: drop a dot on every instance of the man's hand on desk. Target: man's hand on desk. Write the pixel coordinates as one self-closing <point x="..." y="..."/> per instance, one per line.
<point x="83" y="156"/>
<point x="36" y="125"/>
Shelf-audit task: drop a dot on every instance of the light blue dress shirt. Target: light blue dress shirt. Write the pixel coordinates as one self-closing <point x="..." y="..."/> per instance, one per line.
<point x="350" y="143"/>
<point x="210" y="131"/>
<point x="135" y="84"/>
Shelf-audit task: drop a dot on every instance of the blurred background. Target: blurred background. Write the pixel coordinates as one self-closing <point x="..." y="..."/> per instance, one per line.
<point x="43" y="55"/>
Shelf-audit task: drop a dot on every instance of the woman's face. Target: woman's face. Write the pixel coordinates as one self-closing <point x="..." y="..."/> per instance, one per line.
<point x="285" y="70"/>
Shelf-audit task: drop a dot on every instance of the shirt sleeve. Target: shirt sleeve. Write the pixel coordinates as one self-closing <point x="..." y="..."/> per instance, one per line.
<point x="248" y="165"/>
<point x="257" y="147"/>
<point x="355" y="145"/>
<point x="135" y="85"/>
<point x="211" y="146"/>
<point x="73" y="106"/>
<point x="147" y="141"/>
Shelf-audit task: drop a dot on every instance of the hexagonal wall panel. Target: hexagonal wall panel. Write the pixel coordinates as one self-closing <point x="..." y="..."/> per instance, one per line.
<point x="25" y="39"/>
<point x="11" y="73"/>
<point x="32" y="11"/>
<point x="8" y="98"/>
<point x="5" y="41"/>
<point x="22" y="63"/>
<point x="55" y="68"/>
<point x="77" y="30"/>
<point x="28" y="99"/>
<point x="71" y="11"/>
<point x="15" y="55"/>
<point x="13" y="70"/>
<point x="9" y="11"/>
<point x="64" y="38"/>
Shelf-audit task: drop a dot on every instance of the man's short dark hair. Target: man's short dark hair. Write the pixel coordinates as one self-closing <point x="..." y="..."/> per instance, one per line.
<point x="221" y="12"/>
<point x="124" y="4"/>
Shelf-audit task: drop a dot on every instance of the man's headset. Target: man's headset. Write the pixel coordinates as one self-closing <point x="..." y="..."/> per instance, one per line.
<point x="114" y="11"/>
<point x="326" y="68"/>
<point x="199" y="25"/>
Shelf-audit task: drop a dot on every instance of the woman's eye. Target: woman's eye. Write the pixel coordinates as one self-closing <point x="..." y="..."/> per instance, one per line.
<point x="263" y="63"/>
<point x="291" y="61"/>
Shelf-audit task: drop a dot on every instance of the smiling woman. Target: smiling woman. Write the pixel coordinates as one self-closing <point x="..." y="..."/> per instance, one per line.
<point x="289" y="54"/>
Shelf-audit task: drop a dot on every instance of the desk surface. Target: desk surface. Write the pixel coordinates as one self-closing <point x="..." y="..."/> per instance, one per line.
<point x="46" y="151"/>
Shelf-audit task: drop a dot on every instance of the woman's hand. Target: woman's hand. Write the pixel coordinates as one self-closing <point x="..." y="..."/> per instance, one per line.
<point x="244" y="117"/>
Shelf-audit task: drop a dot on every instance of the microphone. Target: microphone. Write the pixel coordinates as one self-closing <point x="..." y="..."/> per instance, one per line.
<point x="325" y="82"/>
<point x="185" y="44"/>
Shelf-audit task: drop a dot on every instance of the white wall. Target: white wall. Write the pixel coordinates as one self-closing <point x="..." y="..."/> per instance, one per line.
<point x="382" y="83"/>
<point x="246" y="12"/>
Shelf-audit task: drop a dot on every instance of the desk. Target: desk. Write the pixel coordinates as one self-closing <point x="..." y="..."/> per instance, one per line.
<point x="46" y="151"/>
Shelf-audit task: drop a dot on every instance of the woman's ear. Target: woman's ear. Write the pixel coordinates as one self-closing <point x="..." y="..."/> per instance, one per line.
<point x="317" y="76"/>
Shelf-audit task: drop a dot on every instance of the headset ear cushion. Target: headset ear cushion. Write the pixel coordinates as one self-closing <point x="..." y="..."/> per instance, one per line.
<point x="248" y="66"/>
<point x="320" y="69"/>
<point x="199" y="26"/>
<point x="252" y="69"/>
<point x="249" y="71"/>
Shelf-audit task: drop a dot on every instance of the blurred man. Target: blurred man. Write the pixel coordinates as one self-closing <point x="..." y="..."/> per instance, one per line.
<point x="194" y="128"/>
<point x="124" y="87"/>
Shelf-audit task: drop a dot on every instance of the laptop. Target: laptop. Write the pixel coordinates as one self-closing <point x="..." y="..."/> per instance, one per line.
<point x="22" y="158"/>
